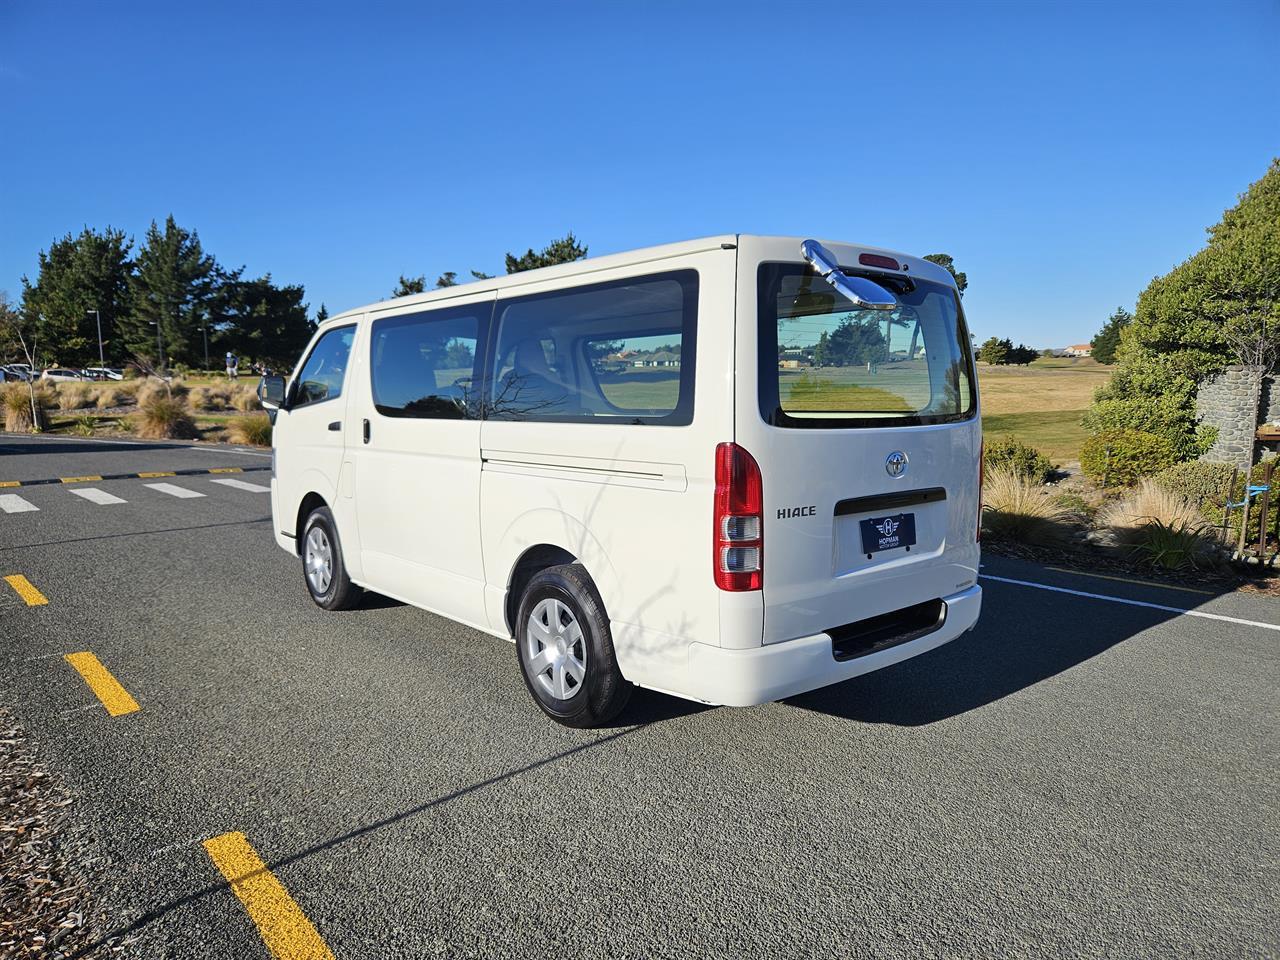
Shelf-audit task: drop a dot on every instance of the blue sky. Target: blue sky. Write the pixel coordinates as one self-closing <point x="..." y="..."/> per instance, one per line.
<point x="1063" y="153"/>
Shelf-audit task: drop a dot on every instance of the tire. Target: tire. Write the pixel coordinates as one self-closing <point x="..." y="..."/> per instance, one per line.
<point x="566" y="650"/>
<point x="322" y="568"/>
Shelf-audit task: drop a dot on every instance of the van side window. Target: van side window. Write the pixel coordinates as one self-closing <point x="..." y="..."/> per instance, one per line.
<point x="321" y="376"/>
<point x="422" y="364"/>
<point x="620" y="351"/>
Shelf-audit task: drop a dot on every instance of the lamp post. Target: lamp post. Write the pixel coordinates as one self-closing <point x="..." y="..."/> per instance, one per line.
<point x="102" y="361"/>
<point x="159" y="344"/>
<point x="204" y="328"/>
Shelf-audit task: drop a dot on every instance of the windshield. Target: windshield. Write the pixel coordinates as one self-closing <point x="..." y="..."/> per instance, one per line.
<point x="825" y="363"/>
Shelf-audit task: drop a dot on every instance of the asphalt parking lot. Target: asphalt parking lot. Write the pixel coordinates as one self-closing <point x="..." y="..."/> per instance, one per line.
<point x="1076" y="777"/>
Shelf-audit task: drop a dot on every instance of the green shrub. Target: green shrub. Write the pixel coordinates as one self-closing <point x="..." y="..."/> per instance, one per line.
<point x="1214" y="507"/>
<point x="1123" y="457"/>
<point x="1200" y="481"/>
<point x="1174" y="546"/>
<point x="84" y="425"/>
<point x="1077" y="505"/>
<point x="1195" y="320"/>
<point x="1024" y="460"/>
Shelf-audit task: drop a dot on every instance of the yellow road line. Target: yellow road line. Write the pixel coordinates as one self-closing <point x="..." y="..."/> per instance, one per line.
<point x="10" y="483"/>
<point x="158" y="473"/>
<point x="78" y="479"/>
<point x="113" y="696"/>
<point x="227" y="470"/>
<point x="283" y="926"/>
<point x="1141" y="583"/>
<point x="26" y="590"/>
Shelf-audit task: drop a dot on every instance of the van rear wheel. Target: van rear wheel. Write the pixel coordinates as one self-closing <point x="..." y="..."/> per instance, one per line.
<point x="325" y="573"/>
<point x="565" y="649"/>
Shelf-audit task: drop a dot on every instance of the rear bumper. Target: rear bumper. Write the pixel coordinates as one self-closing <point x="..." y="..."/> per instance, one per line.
<point x="743" y="678"/>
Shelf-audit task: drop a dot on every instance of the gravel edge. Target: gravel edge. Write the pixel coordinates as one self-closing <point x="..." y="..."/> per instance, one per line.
<point x="45" y="905"/>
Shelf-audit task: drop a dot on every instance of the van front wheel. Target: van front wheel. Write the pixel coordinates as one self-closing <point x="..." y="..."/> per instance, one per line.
<point x="325" y="573"/>
<point x="566" y="650"/>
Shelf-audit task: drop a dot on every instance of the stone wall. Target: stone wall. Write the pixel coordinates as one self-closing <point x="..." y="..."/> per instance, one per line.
<point x="1269" y="405"/>
<point x="1236" y="401"/>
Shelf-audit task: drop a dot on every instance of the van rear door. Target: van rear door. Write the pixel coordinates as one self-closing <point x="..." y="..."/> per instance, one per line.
<point x="865" y="426"/>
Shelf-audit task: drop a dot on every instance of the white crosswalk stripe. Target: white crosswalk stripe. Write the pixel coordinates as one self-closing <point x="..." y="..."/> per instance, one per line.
<point x="94" y="495"/>
<point x="173" y="490"/>
<point x="242" y="485"/>
<point x="12" y="503"/>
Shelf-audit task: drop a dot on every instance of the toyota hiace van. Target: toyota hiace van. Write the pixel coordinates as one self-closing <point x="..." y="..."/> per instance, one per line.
<point x="732" y="469"/>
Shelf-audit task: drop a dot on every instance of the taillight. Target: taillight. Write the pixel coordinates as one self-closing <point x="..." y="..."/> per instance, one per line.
<point x="982" y="470"/>
<point x="737" y="539"/>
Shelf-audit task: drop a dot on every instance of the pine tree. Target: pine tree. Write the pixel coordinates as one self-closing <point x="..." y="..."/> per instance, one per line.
<point x="948" y="263"/>
<point x="408" y="286"/>
<point x="995" y="351"/>
<point x="565" y="250"/>
<point x="1106" y="340"/>
<point x="174" y="292"/>
<point x="264" y="322"/>
<point x="77" y="276"/>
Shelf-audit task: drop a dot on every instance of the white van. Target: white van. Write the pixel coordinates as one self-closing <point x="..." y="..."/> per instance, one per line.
<point x="733" y="469"/>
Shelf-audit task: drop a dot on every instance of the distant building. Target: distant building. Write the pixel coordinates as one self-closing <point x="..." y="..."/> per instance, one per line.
<point x="1079" y="350"/>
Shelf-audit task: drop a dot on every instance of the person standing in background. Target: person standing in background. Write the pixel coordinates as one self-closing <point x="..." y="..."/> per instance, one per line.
<point x="233" y="364"/>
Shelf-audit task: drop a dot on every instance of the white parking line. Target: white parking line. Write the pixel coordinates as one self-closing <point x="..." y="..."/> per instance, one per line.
<point x="12" y="503"/>
<point x="241" y="485"/>
<point x="173" y="491"/>
<point x="1134" y="603"/>
<point x="94" y="495"/>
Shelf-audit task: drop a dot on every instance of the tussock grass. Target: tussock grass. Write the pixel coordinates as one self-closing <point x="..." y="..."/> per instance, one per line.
<point x="1016" y="508"/>
<point x="16" y="401"/>
<point x="1161" y="528"/>
<point x="254" y="429"/>
<point x="245" y="398"/>
<point x="209" y="398"/>
<point x="73" y="396"/>
<point x="110" y="397"/>
<point x="1148" y="503"/>
<point x="151" y="389"/>
<point x="164" y="418"/>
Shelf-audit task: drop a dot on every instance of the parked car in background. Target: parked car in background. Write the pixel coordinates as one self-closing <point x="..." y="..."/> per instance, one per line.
<point x="17" y="371"/>
<point x="62" y="375"/>
<point x="102" y="373"/>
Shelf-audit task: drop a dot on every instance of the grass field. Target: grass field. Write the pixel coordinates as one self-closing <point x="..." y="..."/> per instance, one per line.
<point x="1041" y="404"/>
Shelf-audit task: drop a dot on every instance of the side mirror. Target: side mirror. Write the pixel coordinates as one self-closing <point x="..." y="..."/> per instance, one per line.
<point x="271" y="392"/>
<point x="860" y="291"/>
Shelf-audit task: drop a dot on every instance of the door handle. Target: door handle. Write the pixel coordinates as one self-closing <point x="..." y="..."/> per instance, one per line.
<point x="336" y="425"/>
<point x="366" y="431"/>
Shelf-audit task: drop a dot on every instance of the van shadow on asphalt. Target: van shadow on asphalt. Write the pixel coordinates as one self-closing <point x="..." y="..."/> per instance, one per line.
<point x="1047" y="635"/>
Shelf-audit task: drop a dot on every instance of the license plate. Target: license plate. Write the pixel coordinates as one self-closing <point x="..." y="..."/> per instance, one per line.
<point x="888" y="533"/>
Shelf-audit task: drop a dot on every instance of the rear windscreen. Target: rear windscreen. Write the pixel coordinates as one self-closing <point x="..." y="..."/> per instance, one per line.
<point x="825" y="363"/>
